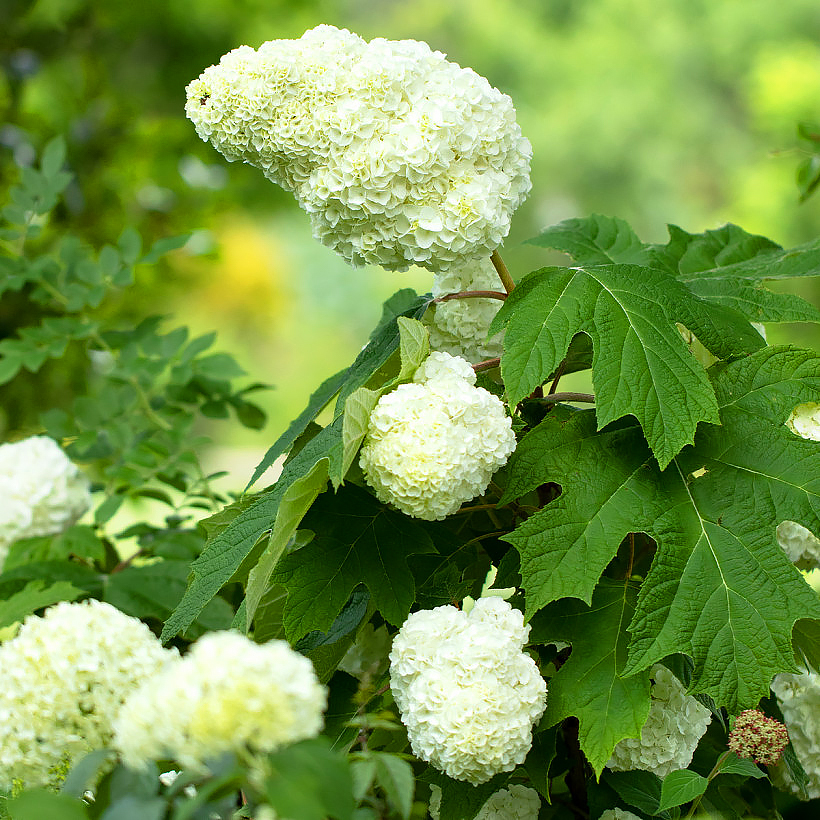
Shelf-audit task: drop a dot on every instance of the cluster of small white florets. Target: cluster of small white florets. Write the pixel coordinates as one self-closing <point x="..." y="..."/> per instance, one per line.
<point x="618" y="814"/>
<point x="398" y="156"/>
<point x="669" y="737"/>
<point x="42" y="491"/>
<point x="801" y="545"/>
<point x="804" y="421"/>
<point x="799" y="699"/>
<point x="466" y="691"/>
<point x="516" y="802"/>
<point x="226" y="694"/>
<point x="434" y="444"/>
<point x="459" y="326"/>
<point x="64" y="678"/>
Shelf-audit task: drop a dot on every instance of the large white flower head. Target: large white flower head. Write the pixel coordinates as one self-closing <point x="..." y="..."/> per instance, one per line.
<point x="799" y="699"/>
<point x="64" y="678"/>
<point x="801" y="545"/>
<point x="618" y="814"/>
<point x="398" y="156"/>
<point x="466" y="691"/>
<point x="459" y="326"/>
<point x="43" y="492"/>
<point x="669" y="737"/>
<point x="516" y="802"/>
<point x="804" y="421"/>
<point x="227" y="694"/>
<point x="434" y="444"/>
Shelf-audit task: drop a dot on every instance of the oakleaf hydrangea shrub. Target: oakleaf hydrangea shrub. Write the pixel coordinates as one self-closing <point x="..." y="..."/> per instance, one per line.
<point x="647" y="530"/>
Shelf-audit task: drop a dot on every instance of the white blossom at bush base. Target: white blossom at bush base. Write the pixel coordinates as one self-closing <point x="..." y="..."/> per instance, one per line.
<point x="466" y="691"/>
<point x="398" y="156"/>
<point x="799" y="699"/>
<point x="800" y="544"/>
<point x="42" y="492"/>
<point x="669" y="737"/>
<point x="459" y="326"/>
<point x="516" y="802"/>
<point x="64" y="678"/>
<point x="226" y="694"/>
<point x="804" y="421"/>
<point x="434" y="444"/>
<point x="618" y="814"/>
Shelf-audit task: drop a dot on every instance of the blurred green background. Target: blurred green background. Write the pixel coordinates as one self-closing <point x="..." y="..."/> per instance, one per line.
<point x="683" y="111"/>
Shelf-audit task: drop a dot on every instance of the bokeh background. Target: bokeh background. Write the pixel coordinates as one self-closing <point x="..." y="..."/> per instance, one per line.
<point x="683" y="111"/>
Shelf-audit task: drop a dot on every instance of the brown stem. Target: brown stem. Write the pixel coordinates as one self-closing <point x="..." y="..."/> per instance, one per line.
<point x="631" y="555"/>
<point x="589" y="398"/>
<point x="558" y="374"/>
<point x="487" y="364"/>
<point x="503" y="273"/>
<point x="472" y="294"/>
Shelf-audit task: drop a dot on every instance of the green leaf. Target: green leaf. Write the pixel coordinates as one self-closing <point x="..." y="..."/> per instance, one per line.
<point x="356" y="421"/>
<point x="358" y="540"/>
<point x="720" y="590"/>
<point x="318" y="401"/>
<point x="85" y="772"/>
<point x="38" y="804"/>
<point x="130" y="244"/>
<point x="414" y="346"/>
<point x="590" y="686"/>
<point x="539" y="759"/>
<point x="401" y="303"/>
<point x="53" y="156"/>
<point x="641" y="365"/>
<point x="352" y="614"/>
<point x="741" y="766"/>
<point x="680" y="787"/>
<point x="728" y="266"/>
<point x="224" y="553"/>
<point x="637" y="788"/>
<point x="309" y="781"/>
<point x="395" y="776"/>
<point x="135" y="807"/>
<point x="35" y="595"/>
<point x="461" y="800"/>
<point x="163" y="246"/>
<point x="295" y="502"/>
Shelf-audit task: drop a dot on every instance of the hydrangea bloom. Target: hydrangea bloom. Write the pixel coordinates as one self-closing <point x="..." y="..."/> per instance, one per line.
<point x="618" y="814"/>
<point x="758" y="737"/>
<point x="42" y="491"/>
<point x="397" y="155"/>
<point x="799" y="699"/>
<point x="434" y="444"/>
<point x="459" y="326"/>
<point x="65" y="677"/>
<point x="466" y="691"/>
<point x="516" y="802"/>
<point x="671" y="733"/>
<point x="226" y="694"/>
<point x="800" y="544"/>
<point x="804" y="421"/>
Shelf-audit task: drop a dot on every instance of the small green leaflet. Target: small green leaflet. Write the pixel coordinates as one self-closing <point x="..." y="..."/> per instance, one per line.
<point x="35" y="595"/>
<point x="358" y="540"/>
<point x="720" y="590"/>
<point x="609" y="707"/>
<point x="680" y="787"/>
<point x="641" y="365"/>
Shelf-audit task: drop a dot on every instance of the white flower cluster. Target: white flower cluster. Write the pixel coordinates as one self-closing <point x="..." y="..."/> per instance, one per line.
<point x="618" y="814"/>
<point x="801" y="545"/>
<point x="516" y="802"/>
<point x="466" y="691"/>
<point x="227" y="693"/>
<point x="398" y="156"/>
<point x="434" y="444"/>
<point x="669" y="737"/>
<point x="459" y="326"/>
<point x="799" y="699"/>
<point x="804" y="421"/>
<point x="43" y="492"/>
<point x="64" y="678"/>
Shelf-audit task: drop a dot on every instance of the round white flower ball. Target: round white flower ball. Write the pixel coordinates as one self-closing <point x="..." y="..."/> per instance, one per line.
<point x="227" y="694"/>
<point x="466" y="691"/>
<point x="43" y="492"/>
<point x="804" y="421"/>
<point x="516" y="802"/>
<point x="799" y="699"/>
<point x="801" y="545"/>
<point x="669" y="737"/>
<point x="459" y="326"/>
<point x="398" y="156"/>
<point x="64" y="678"/>
<point x="436" y="443"/>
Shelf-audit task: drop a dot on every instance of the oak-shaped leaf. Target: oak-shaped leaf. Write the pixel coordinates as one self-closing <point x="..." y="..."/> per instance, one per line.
<point x="720" y="589"/>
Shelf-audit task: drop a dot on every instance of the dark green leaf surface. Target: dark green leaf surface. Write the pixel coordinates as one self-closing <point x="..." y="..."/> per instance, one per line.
<point x="35" y="595"/>
<point x="680" y="787"/>
<point x="589" y="686"/>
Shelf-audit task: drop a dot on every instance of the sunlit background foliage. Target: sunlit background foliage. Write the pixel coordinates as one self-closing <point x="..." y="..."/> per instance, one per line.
<point x="683" y="111"/>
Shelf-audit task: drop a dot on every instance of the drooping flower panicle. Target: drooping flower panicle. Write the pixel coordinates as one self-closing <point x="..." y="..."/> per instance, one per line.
<point x="64" y="678"/>
<point x="434" y="444"/>
<point x="42" y="492"/>
<point x="398" y="156"/>
<point x="758" y="737"/>
<point x="227" y="694"/>
<point x="466" y="691"/>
